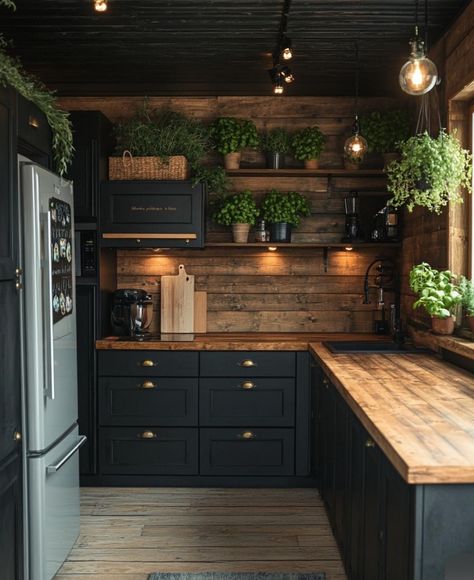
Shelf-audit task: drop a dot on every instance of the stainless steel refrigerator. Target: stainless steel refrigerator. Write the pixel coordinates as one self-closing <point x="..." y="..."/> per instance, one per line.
<point x="50" y="369"/>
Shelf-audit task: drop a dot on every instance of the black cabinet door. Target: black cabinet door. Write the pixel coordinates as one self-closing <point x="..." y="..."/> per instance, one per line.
<point x="340" y="470"/>
<point x="328" y="446"/>
<point x="372" y="534"/>
<point x="92" y="144"/>
<point x="11" y="519"/>
<point x="248" y="364"/>
<point x="34" y="133"/>
<point x="86" y="375"/>
<point x="8" y="219"/>
<point x="145" y="363"/>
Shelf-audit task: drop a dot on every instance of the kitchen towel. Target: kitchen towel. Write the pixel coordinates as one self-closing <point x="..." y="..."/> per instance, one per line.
<point x="236" y="576"/>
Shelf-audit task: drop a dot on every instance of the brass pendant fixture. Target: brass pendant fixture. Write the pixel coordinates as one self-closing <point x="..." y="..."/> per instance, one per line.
<point x="355" y="146"/>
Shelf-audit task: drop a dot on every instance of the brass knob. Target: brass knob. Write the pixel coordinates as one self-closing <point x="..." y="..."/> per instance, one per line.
<point x="148" y="435"/>
<point x="147" y="385"/>
<point x="248" y="363"/>
<point x="147" y="363"/>
<point x="18" y="285"/>
<point x="17" y="436"/>
<point x="325" y="381"/>
<point x="369" y="443"/>
<point x="18" y="271"/>
<point x="138" y="241"/>
<point x="247" y="435"/>
<point x="248" y="385"/>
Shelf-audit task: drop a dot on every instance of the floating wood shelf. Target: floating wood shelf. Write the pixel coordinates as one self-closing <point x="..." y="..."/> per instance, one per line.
<point x="355" y="246"/>
<point x="262" y="172"/>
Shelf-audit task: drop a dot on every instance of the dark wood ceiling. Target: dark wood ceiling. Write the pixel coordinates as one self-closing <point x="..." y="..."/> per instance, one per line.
<point x="215" y="47"/>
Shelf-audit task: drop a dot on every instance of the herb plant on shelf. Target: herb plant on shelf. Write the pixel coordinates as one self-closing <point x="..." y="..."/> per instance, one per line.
<point x="230" y="136"/>
<point x="239" y="211"/>
<point x="430" y="173"/>
<point x="438" y="293"/>
<point x="384" y="130"/>
<point x="282" y="211"/>
<point x="307" y="145"/>
<point x="276" y="143"/>
<point x="467" y="291"/>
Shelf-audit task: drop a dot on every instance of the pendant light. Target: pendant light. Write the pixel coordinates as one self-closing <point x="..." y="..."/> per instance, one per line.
<point x="419" y="74"/>
<point x="280" y="74"/>
<point x="100" y="5"/>
<point x="355" y="146"/>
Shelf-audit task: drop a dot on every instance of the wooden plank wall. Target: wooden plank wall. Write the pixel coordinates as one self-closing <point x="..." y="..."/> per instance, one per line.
<point x="252" y="289"/>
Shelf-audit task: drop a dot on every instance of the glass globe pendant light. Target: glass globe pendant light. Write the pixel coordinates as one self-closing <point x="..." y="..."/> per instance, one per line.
<point x="355" y="146"/>
<point x="419" y="74"/>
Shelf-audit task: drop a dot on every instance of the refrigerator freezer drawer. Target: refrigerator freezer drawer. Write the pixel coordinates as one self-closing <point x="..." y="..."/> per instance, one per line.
<point x="53" y="493"/>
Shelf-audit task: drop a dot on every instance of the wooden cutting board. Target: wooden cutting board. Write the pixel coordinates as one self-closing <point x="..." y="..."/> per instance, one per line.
<point x="200" y="312"/>
<point x="177" y="302"/>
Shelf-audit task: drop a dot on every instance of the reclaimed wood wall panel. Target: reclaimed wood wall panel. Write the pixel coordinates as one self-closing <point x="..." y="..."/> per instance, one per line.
<point x="253" y="290"/>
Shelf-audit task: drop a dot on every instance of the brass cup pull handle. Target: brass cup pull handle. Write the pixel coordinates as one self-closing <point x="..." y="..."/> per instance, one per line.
<point x="147" y="435"/>
<point x="248" y="385"/>
<point x="247" y="363"/>
<point x="247" y="435"/>
<point x="369" y="443"/>
<point x="147" y="363"/>
<point x="148" y="385"/>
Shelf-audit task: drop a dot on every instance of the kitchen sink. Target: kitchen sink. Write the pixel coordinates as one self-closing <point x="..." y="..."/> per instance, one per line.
<point x="372" y="347"/>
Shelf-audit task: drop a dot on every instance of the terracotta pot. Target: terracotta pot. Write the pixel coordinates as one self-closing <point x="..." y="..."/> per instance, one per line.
<point x="232" y="160"/>
<point x="443" y="325"/>
<point x="470" y="322"/>
<point x="350" y="165"/>
<point x="389" y="157"/>
<point x="240" y="233"/>
<point x="311" y="164"/>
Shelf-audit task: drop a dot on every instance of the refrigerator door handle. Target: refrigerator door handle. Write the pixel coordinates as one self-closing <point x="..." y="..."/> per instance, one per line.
<point x="48" y="303"/>
<point x="57" y="466"/>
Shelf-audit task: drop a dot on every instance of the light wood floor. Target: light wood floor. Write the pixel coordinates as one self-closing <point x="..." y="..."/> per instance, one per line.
<point x="128" y="533"/>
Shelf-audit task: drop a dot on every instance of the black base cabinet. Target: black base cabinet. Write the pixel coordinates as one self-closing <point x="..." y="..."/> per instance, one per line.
<point x="11" y="514"/>
<point x="386" y="529"/>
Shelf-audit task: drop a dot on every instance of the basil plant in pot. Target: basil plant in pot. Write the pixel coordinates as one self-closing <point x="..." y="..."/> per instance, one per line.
<point x="438" y="294"/>
<point x="430" y="173"/>
<point x="384" y="130"/>
<point x="239" y="211"/>
<point x="307" y="145"/>
<point x="230" y="136"/>
<point x="467" y="291"/>
<point x="282" y="211"/>
<point x="276" y="143"/>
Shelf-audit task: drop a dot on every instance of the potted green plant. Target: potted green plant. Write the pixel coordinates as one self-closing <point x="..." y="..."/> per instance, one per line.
<point x="352" y="163"/>
<point x="438" y="294"/>
<point x="276" y="143"/>
<point x="430" y="173"/>
<point x="282" y="211"/>
<point x="160" y="144"/>
<point x="230" y="135"/>
<point x="384" y="130"/>
<point x="307" y="145"/>
<point x="467" y="291"/>
<point x="239" y="211"/>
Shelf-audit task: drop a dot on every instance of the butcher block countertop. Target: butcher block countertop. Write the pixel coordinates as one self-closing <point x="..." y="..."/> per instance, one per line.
<point x="231" y="341"/>
<point x="417" y="408"/>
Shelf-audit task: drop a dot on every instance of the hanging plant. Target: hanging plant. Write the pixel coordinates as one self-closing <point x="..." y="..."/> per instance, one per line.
<point x="430" y="173"/>
<point x="12" y="74"/>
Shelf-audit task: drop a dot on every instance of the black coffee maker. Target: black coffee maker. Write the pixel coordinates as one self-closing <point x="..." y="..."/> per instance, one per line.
<point x="132" y="312"/>
<point x="352" y="231"/>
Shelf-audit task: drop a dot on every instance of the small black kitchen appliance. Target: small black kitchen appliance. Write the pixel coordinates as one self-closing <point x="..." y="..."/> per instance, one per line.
<point x="132" y="312"/>
<point x="352" y="231"/>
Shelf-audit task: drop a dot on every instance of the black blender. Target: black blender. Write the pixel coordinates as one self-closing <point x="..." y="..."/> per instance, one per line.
<point x="352" y="232"/>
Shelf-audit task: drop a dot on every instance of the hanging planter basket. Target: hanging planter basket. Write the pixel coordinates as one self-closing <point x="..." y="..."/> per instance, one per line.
<point x="129" y="168"/>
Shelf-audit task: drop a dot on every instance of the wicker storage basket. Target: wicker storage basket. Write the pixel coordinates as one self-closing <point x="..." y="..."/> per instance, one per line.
<point x="129" y="168"/>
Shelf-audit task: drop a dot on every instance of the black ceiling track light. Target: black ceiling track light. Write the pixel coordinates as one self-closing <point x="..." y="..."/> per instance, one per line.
<point x="280" y="74"/>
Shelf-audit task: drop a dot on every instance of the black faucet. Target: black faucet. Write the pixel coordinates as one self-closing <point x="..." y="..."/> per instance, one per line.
<point x="396" y="324"/>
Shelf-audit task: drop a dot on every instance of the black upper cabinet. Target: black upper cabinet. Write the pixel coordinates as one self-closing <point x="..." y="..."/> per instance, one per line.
<point x="34" y="133"/>
<point x="93" y="143"/>
<point x="8" y="221"/>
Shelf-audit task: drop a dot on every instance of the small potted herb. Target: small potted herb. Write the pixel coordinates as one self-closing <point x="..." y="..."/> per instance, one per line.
<point x="467" y="291"/>
<point x="282" y="211"/>
<point x="230" y="135"/>
<point x="438" y="294"/>
<point x="352" y="163"/>
<point x="384" y="130"/>
<point x="276" y="143"/>
<point x="430" y="173"/>
<point x="239" y="211"/>
<point x="307" y="145"/>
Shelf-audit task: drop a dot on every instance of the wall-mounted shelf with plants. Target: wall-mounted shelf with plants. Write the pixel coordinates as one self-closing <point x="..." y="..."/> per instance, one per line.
<point x="262" y="172"/>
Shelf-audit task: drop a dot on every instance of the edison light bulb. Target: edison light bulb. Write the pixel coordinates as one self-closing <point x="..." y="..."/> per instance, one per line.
<point x="419" y="74"/>
<point x="355" y="147"/>
<point x="278" y="89"/>
<point x="287" y="54"/>
<point x="100" y="5"/>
